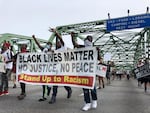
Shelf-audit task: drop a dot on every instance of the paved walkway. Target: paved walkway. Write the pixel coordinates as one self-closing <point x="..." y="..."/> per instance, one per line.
<point x="119" y="97"/>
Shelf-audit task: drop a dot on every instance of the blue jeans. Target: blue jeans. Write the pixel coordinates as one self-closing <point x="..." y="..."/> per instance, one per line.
<point x="1" y="81"/>
<point x="6" y="76"/>
<point x="56" y="87"/>
<point x="86" y="92"/>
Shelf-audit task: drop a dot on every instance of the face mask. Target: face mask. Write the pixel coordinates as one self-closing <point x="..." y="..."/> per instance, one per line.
<point x="87" y="43"/>
<point x="48" y="46"/>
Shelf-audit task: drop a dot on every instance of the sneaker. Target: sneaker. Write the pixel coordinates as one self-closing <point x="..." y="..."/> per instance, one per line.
<point x="21" y="96"/>
<point x="94" y="104"/>
<point x="53" y="100"/>
<point x="86" y="107"/>
<point x="69" y="93"/>
<point x="14" y="86"/>
<point x="99" y="87"/>
<point x="6" y="92"/>
<point x="42" y="99"/>
<point x="1" y="93"/>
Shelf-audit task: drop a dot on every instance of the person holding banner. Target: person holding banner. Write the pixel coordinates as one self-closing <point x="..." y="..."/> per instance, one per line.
<point x="23" y="85"/>
<point x="45" y="49"/>
<point x="88" y="104"/>
<point x="60" y="46"/>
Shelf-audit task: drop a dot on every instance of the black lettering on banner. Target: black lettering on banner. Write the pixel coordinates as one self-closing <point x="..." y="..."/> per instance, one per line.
<point x="83" y="67"/>
<point x="59" y="57"/>
<point x="85" y="55"/>
<point x="78" y="67"/>
<point x="33" y="58"/>
<point x="73" y="67"/>
<point x="80" y="53"/>
<point x="66" y="56"/>
<point x="91" y="67"/>
<point x="42" y="68"/>
<point x="39" y="58"/>
<point x="55" y="57"/>
<point x="22" y="67"/>
<point x="50" y="57"/>
<point x="91" y="53"/>
<point x="45" y="58"/>
<point x="62" y="67"/>
<point x="20" y="59"/>
<point x="72" y="56"/>
<point x="76" y="55"/>
<point x="65" y="67"/>
<point x="29" y="59"/>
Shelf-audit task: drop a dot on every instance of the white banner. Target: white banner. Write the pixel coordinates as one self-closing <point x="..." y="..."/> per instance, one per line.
<point x="71" y="67"/>
<point x="101" y="70"/>
<point x="2" y="64"/>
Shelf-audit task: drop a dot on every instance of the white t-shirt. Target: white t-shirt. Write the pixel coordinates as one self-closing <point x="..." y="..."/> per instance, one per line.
<point x="62" y="48"/>
<point x="8" y="56"/>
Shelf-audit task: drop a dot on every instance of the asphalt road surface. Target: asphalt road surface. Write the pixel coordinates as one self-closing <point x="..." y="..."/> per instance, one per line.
<point x="119" y="97"/>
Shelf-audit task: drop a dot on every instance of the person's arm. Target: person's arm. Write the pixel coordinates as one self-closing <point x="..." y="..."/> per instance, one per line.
<point x="75" y="44"/>
<point x="33" y="36"/>
<point x="58" y="35"/>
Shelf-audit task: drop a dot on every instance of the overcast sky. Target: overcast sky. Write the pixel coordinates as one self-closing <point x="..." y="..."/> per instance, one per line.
<point x="27" y="17"/>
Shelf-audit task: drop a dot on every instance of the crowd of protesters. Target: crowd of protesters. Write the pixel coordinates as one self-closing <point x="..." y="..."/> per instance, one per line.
<point x="90" y="95"/>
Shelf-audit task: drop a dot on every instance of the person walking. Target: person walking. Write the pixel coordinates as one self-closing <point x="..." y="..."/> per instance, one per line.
<point x="88" y="103"/>
<point x="47" y="48"/>
<point x="60" y="46"/>
<point x="101" y="79"/>
<point x="9" y="64"/>
<point x="2" y="74"/>
<point x="22" y="95"/>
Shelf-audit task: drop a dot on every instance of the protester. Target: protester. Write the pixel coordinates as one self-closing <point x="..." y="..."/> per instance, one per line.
<point x="108" y="72"/>
<point x="2" y="74"/>
<point x="23" y="85"/>
<point x="8" y="56"/>
<point x="144" y="80"/>
<point x="45" y="49"/>
<point x="60" y="46"/>
<point x="13" y="74"/>
<point x="128" y="74"/>
<point x="88" y="104"/>
<point x="140" y="63"/>
<point x="101" y="79"/>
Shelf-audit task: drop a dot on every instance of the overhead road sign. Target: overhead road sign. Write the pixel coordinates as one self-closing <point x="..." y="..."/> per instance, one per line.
<point x="129" y="22"/>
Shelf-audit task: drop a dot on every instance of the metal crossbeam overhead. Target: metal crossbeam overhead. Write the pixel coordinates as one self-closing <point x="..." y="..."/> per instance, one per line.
<point x="125" y="46"/>
<point x="128" y="44"/>
<point x="16" y="40"/>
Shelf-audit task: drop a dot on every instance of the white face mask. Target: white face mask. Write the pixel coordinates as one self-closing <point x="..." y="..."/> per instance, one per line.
<point x="87" y="43"/>
<point x="48" y="46"/>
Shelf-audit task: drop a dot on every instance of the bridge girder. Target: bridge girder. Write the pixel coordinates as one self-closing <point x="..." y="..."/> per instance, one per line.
<point x="126" y="46"/>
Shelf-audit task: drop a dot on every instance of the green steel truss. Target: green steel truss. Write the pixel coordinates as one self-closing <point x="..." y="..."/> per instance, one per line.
<point x="17" y="40"/>
<point x="126" y="46"/>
